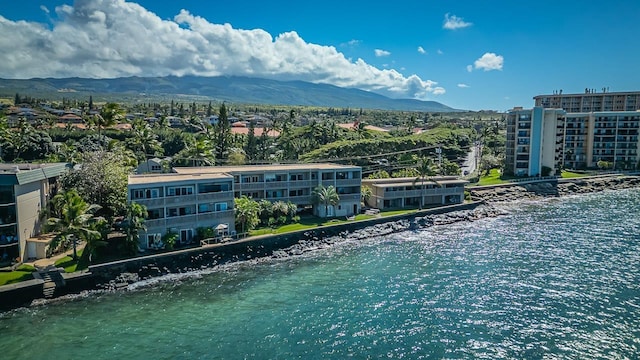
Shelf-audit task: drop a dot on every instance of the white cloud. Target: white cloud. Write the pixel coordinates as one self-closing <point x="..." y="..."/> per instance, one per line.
<point x="421" y="50"/>
<point x="489" y="61"/>
<point x="114" y="38"/>
<point x="351" y="43"/>
<point x="440" y="52"/>
<point x="469" y="68"/>
<point x="453" y="22"/>
<point x="380" y="53"/>
<point x="464" y="86"/>
<point x="44" y="8"/>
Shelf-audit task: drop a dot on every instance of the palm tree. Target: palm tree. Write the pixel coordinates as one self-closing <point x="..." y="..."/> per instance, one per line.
<point x="133" y="224"/>
<point x="247" y="213"/>
<point x="326" y="196"/>
<point x="108" y="116"/>
<point x="144" y="141"/>
<point x="365" y="194"/>
<point x="74" y="220"/>
<point x="426" y="168"/>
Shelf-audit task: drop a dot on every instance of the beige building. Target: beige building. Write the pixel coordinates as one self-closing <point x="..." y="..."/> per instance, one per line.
<point x="610" y="136"/>
<point x="25" y="191"/>
<point x="182" y="203"/>
<point x="591" y="101"/>
<point x="406" y="192"/>
<point x="203" y="197"/>
<point x="294" y="183"/>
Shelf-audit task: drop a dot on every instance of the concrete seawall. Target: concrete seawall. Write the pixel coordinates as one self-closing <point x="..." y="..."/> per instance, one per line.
<point x="118" y="274"/>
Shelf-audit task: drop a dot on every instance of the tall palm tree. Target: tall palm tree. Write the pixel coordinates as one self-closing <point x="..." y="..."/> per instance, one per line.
<point x="74" y="220"/>
<point x="247" y="213"/>
<point x="133" y="224"/>
<point x="109" y="115"/>
<point x="326" y="196"/>
<point x="426" y="168"/>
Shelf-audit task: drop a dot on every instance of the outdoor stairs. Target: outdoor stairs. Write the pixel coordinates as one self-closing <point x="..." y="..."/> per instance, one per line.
<point x="52" y="279"/>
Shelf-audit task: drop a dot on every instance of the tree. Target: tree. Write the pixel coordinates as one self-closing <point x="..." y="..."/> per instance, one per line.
<point x="108" y="116"/>
<point x="403" y="173"/>
<point x="251" y="147"/>
<point x="365" y="194"/>
<point x="326" y="196"/>
<point x="73" y="220"/>
<point x="426" y="168"/>
<point x="144" y="141"/>
<point x="380" y="174"/>
<point x="222" y="131"/>
<point x="247" y="213"/>
<point x="101" y="179"/>
<point x="133" y="224"/>
<point x="90" y="102"/>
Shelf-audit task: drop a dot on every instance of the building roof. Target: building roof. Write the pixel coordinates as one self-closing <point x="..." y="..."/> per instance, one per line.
<point x="20" y="174"/>
<point x="589" y="94"/>
<point x="410" y="181"/>
<point x="261" y="168"/>
<point x="353" y="125"/>
<point x="257" y="131"/>
<point x="144" y="179"/>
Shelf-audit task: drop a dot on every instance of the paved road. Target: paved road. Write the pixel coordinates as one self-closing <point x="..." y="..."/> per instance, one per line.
<point x="470" y="163"/>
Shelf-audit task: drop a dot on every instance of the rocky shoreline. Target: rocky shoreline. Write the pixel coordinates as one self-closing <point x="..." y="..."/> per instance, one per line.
<point x="309" y="241"/>
<point x="553" y="188"/>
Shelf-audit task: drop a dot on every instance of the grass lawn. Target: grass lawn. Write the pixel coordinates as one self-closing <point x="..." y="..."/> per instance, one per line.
<point x="68" y="263"/>
<point x="569" y="174"/>
<point x="22" y="273"/>
<point x="492" y="179"/>
<point x="310" y="222"/>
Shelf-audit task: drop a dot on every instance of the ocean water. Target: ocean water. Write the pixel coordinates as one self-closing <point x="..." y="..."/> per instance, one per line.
<point x="555" y="279"/>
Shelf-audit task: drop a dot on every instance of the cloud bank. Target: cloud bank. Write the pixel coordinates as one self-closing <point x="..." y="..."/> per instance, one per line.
<point x="115" y="38"/>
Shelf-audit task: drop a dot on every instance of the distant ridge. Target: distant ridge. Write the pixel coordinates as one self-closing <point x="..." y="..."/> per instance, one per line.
<point x="224" y="88"/>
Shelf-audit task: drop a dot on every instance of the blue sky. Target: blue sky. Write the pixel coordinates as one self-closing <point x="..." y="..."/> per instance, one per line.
<point x="465" y="54"/>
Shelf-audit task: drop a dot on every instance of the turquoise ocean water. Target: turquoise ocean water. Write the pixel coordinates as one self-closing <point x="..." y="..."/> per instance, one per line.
<point x="556" y="279"/>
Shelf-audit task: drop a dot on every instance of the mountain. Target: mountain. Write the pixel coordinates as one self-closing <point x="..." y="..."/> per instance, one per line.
<point x="226" y="88"/>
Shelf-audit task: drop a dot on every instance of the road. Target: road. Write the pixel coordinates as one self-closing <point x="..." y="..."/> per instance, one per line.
<point x="471" y="162"/>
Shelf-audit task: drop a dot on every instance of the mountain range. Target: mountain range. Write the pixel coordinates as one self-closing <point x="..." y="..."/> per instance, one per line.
<point x="233" y="89"/>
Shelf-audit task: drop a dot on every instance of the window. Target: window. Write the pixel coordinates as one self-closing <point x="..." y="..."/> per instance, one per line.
<point x="221" y="206"/>
<point x="180" y="191"/>
<point x="154" y="213"/>
<point x="210" y="188"/>
<point x="153" y="240"/>
<point x="204" y="208"/>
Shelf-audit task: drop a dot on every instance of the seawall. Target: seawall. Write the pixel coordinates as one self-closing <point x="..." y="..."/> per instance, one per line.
<point x="119" y="274"/>
<point x="552" y="188"/>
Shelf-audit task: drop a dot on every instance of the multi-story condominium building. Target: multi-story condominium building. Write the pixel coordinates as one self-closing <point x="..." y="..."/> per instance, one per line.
<point x="194" y="197"/>
<point x="610" y="137"/>
<point x="294" y="183"/>
<point x="182" y="203"/>
<point x="591" y="101"/>
<point x="406" y="192"/>
<point x="25" y="191"/>
<point x="535" y="140"/>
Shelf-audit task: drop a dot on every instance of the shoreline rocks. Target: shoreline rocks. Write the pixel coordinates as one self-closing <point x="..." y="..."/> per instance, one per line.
<point x="553" y="188"/>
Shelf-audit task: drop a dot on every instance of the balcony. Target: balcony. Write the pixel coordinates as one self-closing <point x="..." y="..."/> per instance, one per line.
<point x="303" y="184"/>
<point x="348" y="182"/>
<point x="250" y="186"/>
<point x="183" y="199"/>
<point x="150" y="203"/>
<point x="301" y="200"/>
<point x="222" y="195"/>
<point x="349" y="197"/>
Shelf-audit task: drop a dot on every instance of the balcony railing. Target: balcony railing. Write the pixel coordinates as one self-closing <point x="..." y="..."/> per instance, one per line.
<point x="222" y="195"/>
<point x="348" y="182"/>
